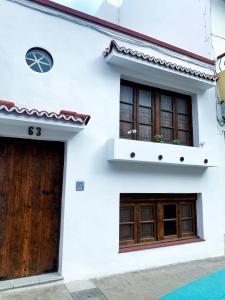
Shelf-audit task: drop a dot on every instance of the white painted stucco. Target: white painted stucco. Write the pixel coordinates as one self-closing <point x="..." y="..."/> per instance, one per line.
<point x="81" y="80"/>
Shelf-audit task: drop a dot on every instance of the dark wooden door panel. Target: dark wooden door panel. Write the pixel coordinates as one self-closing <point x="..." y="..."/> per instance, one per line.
<point x="30" y="206"/>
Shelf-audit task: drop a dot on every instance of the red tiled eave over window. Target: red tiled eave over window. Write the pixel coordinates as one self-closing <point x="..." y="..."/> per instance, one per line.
<point x="121" y="29"/>
<point x="9" y="107"/>
<point x="157" y="61"/>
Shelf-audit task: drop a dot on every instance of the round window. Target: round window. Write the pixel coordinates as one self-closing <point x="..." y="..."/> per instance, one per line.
<point x="39" y="60"/>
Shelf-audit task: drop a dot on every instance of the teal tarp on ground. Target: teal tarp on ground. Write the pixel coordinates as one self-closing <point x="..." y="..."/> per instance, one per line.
<point x="211" y="287"/>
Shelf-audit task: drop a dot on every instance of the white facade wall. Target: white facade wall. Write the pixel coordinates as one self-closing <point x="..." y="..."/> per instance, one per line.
<point x="82" y="81"/>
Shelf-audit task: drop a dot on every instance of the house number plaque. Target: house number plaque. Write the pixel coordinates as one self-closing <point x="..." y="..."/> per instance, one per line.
<point x="34" y="130"/>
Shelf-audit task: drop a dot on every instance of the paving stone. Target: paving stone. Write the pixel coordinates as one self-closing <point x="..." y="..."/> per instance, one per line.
<point x="154" y="283"/>
<point x="6" y="285"/>
<point x="45" y="278"/>
<point x="26" y="281"/>
<point x="57" y="292"/>
<point x="92" y="294"/>
<point x="142" y="285"/>
<point x="81" y="285"/>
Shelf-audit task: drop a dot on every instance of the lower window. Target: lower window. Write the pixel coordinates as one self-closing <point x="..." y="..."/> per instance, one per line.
<point x="154" y="218"/>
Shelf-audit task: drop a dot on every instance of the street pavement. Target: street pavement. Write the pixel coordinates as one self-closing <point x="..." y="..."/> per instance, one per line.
<point x="142" y="285"/>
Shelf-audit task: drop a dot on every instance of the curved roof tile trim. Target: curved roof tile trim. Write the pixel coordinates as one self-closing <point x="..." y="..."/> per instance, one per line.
<point x="151" y="59"/>
<point x="68" y="116"/>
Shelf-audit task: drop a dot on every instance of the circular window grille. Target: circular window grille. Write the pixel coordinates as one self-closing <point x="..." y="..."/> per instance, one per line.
<point x="39" y="60"/>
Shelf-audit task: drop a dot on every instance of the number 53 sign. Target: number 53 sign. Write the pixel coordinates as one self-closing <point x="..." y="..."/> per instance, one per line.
<point x="34" y="130"/>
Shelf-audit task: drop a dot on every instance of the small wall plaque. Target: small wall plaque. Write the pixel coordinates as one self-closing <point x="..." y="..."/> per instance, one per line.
<point x="80" y="186"/>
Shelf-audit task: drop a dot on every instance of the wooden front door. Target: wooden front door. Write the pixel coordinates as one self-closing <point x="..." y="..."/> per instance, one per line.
<point x="31" y="175"/>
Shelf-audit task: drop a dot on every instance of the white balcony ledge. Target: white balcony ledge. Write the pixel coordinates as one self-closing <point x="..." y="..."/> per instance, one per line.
<point x="162" y="154"/>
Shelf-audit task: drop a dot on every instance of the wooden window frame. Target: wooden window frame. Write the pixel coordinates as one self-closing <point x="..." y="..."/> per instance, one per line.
<point x="156" y="113"/>
<point x="158" y="201"/>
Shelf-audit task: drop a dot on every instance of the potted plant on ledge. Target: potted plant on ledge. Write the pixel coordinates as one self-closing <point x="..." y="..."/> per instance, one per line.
<point x="176" y="142"/>
<point x="158" y="138"/>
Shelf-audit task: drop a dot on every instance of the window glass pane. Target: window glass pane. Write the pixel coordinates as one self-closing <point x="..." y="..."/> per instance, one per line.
<point x="44" y="60"/>
<point x="126" y="214"/>
<point x="145" y="132"/>
<point x="126" y="232"/>
<point x="45" y="68"/>
<point x="170" y="228"/>
<point x="36" y="68"/>
<point x="186" y="210"/>
<point x="167" y="134"/>
<point x="145" y="98"/>
<point x="146" y="213"/>
<point x="126" y="94"/>
<point x="186" y="226"/>
<point x="182" y="122"/>
<point x="147" y="230"/>
<point x="166" y="119"/>
<point x="170" y="211"/>
<point x="183" y="137"/>
<point x="144" y="115"/>
<point x="30" y="56"/>
<point x="39" y="60"/>
<point x="124" y="129"/>
<point x="182" y="106"/>
<point x="166" y="102"/>
<point x="126" y="112"/>
<point x="38" y="55"/>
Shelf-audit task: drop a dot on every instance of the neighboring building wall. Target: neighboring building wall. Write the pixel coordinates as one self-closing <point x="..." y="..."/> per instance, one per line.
<point x="218" y="26"/>
<point x="82" y="81"/>
<point x="185" y="25"/>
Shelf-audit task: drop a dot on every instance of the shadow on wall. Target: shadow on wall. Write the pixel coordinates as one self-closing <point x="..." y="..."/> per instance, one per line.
<point x="157" y="170"/>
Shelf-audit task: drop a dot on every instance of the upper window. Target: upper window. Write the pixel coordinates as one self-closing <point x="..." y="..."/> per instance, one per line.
<point x="151" y="218"/>
<point x="150" y="114"/>
<point x="39" y="60"/>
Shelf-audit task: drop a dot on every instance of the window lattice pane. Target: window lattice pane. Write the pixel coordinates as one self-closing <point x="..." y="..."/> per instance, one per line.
<point x="186" y="226"/>
<point x="167" y="134"/>
<point x="166" y="119"/>
<point x="145" y="132"/>
<point x="147" y="230"/>
<point x="182" y="106"/>
<point x="147" y="213"/>
<point x="166" y="103"/>
<point x="145" y="98"/>
<point x="126" y="214"/>
<point x="170" y="228"/>
<point x="126" y="112"/>
<point x="183" y="137"/>
<point x="170" y="211"/>
<point x="186" y="210"/>
<point x="182" y="122"/>
<point x="126" y="232"/>
<point x="124" y="129"/>
<point x="126" y="94"/>
<point x="144" y="115"/>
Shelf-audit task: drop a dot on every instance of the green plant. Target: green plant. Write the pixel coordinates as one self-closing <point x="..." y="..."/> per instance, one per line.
<point x="158" y="138"/>
<point x="176" y="142"/>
